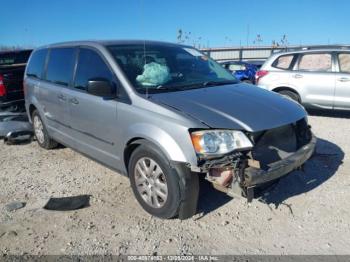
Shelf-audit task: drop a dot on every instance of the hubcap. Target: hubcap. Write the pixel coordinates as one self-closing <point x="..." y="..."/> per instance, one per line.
<point x="151" y="182"/>
<point x="38" y="129"/>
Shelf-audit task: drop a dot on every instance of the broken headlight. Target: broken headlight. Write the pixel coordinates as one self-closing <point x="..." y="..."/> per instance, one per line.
<point x="217" y="142"/>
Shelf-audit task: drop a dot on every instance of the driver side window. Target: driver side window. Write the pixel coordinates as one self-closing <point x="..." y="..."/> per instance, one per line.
<point x="90" y="66"/>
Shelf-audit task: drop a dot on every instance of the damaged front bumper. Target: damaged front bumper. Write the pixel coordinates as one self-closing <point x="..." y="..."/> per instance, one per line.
<point x="254" y="176"/>
<point x="240" y="176"/>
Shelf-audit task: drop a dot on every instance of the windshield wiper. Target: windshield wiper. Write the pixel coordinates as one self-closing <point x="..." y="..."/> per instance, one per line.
<point x="171" y="88"/>
<point x="208" y="83"/>
<point x="184" y="87"/>
<point x="219" y="83"/>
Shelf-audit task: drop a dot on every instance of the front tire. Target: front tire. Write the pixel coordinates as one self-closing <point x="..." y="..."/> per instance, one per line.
<point x="40" y="132"/>
<point x="154" y="182"/>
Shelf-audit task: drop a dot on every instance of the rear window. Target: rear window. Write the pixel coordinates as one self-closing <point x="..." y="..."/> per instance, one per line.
<point x="344" y="63"/>
<point x="11" y="58"/>
<point x="316" y="62"/>
<point x="60" y="65"/>
<point x="283" y="62"/>
<point x="37" y="63"/>
<point x="236" y="67"/>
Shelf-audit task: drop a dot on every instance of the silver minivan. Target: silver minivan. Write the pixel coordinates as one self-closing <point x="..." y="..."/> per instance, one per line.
<point x="314" y="78"/>
<point x="163" y="115"/>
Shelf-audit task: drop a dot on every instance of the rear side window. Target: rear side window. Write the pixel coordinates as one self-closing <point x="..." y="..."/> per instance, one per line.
<point x="344" y="63"/>
<point x="316" y="62"/>
<point x="283" y="62"/>
<point x="60" y="65"/>
<point x="90" y="66"/>
<point x="37" y="63"/>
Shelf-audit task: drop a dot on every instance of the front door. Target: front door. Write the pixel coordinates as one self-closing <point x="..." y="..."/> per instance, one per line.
<point x="93" y="119"/>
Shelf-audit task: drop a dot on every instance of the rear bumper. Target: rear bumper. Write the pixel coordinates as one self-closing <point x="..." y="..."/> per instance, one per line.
<point x="254" y="176"/>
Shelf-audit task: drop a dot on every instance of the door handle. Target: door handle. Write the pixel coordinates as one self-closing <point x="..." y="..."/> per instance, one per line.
<point x="62" y="97"/>
<point x="298" y="76"/>
<point x="344" y="79"/>
<point x="74" y="101"/>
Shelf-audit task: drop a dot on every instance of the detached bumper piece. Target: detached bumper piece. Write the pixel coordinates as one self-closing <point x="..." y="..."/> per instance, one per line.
<point x="254" y="176"/>
<point x="15" y="127"/>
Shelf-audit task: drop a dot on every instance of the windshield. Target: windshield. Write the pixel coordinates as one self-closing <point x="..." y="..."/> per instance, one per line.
<point x="159" y="68"/>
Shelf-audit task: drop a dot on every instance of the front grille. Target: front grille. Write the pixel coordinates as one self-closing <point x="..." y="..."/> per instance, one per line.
<point x="278" y="143"/>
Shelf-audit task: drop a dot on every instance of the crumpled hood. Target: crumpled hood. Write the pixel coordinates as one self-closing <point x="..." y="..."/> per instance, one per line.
<point x="237" y="106"/>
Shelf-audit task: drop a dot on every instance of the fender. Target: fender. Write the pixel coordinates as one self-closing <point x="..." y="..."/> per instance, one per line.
<point x="159" y="137"/>
<point x="34" y="102"/>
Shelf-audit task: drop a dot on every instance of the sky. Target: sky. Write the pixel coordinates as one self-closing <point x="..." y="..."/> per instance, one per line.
<point x="208" y="23"/>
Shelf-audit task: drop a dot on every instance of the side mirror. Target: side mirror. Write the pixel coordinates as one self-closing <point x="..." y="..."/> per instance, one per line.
<point x="101" y="87"/>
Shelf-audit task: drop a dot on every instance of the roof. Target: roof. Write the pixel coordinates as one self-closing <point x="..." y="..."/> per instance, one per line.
<point x="112" y="42"/>
<point x="313" y="51"/>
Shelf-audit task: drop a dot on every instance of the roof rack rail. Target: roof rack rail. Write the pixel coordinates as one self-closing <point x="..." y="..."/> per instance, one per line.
<point x="317" y="47"/>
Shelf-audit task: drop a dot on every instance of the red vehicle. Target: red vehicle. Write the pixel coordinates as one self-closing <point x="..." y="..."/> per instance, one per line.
<point x="12" y="66"/>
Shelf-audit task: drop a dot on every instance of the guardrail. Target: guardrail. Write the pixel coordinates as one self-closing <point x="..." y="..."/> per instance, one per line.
<point x="258" y="52"/>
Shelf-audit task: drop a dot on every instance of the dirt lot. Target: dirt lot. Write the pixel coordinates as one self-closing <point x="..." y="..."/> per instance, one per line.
<point x="305" y="213"/>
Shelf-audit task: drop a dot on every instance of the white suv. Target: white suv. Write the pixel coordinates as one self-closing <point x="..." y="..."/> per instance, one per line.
<point x="314" y="78"/>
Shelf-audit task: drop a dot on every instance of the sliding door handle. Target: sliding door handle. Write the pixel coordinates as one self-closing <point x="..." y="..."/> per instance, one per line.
<point x="298" y="76"/>
<point x="74" y="101"/>
<point x="62" y="97"/>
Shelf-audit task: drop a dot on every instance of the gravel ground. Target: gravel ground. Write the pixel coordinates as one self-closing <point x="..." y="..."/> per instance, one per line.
<point x="305" y="213"/>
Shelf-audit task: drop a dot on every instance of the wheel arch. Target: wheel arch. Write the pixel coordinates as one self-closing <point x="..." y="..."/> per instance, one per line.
<point x="188" y="182"/>
<point x="130" y="147"/>
<point x="170" y="148"/>
<point x="31" y="109"/>
<point x="31" y="105"/>
<point x="286" y="88"/>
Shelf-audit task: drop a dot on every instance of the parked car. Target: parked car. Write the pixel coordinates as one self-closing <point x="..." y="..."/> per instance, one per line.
<point x="163" y="115"/>
<point x="243" y="71"/>
<point x="257" y="63"/>
<point x="12" y="66"/>
<point x="314" y="78"/>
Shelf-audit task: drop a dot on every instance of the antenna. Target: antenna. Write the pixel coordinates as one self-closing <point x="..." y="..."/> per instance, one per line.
<point x="144" y="40"/>
<point x="248" y="33"/>
<point x="144" y="62"/>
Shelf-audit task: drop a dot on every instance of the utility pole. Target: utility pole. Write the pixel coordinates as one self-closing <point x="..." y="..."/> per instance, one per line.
<point x="248" y="32"/>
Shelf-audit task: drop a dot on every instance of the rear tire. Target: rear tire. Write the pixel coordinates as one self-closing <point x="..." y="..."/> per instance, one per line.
<point x="40" y="132"/>
<point x="155" y="183"/>
<point x="291" y="95"/>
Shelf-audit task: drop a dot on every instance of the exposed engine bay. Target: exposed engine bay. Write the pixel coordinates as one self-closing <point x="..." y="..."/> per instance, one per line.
<point x="276" y="152"/>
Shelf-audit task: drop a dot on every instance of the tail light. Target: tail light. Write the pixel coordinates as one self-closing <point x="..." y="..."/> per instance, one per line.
<point x="2" y="86"/>
<point x="260" y="74"/>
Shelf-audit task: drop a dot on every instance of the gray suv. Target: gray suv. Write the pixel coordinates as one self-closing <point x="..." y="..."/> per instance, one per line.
<point x="314" y="78"/>
<point x="163" y="115"/>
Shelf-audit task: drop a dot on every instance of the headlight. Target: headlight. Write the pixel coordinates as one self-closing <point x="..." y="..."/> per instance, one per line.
<point x="215" y="142"/>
